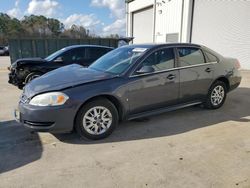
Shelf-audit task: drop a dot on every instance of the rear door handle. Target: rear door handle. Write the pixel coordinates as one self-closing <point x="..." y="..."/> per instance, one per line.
<point x="208" y="69"/>
<point x="171" y="76"/>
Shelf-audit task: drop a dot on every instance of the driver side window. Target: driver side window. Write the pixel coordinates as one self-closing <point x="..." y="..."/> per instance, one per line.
<point x="73" y="56"/>
<point x="65" y="57"/>
<point x="160" y="60"/>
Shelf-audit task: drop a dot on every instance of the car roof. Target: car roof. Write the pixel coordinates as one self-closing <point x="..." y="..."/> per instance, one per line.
<point x="153" y="45"/>
<point x="87" y="46"/>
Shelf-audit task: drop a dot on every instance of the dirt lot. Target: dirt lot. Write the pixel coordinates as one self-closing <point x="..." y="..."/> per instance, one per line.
<point x="192" y="147"/>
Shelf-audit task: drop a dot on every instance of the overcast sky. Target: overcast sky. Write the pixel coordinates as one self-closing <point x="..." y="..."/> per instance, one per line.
<point x="100" y="16"/>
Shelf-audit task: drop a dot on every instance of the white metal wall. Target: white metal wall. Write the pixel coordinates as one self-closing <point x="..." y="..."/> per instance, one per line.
<point x="170" y="17"/>
<point x="224" y="26"/>
<point x="168" y="20"/>
<point x="133" y="7"/>
<point x="142" y="26"/>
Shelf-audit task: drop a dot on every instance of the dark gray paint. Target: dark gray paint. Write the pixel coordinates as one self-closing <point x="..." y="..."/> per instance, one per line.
<point x="136" y="96"/>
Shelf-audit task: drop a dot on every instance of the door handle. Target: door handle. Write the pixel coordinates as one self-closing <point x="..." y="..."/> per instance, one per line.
<point x="171" y="76"/>
<point x="208" y="69"/>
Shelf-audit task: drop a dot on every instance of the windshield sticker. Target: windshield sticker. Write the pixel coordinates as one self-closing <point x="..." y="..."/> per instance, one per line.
<point x="140" y="50"/>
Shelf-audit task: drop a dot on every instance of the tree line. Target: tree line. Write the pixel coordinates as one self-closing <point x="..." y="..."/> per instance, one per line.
<point x="40" y="26"/>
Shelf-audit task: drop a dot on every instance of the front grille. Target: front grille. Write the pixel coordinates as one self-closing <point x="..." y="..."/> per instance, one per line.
<point x="38" y="124"/>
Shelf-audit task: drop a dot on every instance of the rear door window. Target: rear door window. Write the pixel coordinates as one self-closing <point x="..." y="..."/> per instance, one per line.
<point x="189" y="56"/>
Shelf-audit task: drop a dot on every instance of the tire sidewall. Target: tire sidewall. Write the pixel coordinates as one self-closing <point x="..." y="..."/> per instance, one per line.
<point x="79" y="119"/>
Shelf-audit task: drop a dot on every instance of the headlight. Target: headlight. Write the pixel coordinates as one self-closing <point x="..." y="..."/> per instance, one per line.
<point x="49" y="99"/>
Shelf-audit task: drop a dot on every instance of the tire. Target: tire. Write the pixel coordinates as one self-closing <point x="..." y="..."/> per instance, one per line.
<point x="32" y="76"/>
<point x="90" y="122"/>
<point x="216" y="95"/>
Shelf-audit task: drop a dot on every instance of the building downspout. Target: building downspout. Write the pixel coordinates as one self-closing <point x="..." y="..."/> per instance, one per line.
<point x="154" y="25"/>
<point x="192" y="19"/>
<point x="181" y="30"/>
<point x="127" y="18"/>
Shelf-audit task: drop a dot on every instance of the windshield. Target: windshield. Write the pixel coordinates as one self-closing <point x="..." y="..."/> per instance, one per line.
<point x="118" y="60"/>
<point x="55" y="55"/>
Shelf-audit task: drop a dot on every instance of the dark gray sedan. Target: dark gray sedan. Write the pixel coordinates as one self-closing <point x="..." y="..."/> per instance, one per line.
<point x="127" y="83"/>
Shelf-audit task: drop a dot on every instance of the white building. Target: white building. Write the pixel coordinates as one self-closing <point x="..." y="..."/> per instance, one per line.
<point x="223" y="25"/>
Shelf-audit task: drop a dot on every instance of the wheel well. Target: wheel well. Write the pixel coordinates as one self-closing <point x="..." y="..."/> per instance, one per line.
<point x="112" y="99"/>
<point x="226" y="81"/>
<point x="29" y="73"/>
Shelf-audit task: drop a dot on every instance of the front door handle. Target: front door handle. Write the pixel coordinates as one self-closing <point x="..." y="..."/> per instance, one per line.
<point x="208" y="69"/>
<point x="171" y="76"/>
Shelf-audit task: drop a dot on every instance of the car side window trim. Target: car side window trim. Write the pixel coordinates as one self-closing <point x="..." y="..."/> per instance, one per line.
<point x="132" y="74"/>
<point x="176" y="64"/>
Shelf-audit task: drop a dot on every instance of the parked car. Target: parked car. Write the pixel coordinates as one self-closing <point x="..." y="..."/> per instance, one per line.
<point x="127" y="83"/>
<point x="24" y="70"/>
<point x="4" y="50"/>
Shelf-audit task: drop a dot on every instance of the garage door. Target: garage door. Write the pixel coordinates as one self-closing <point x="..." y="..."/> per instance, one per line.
<point x="143" y="26"/>
<point x="223" y="26"/>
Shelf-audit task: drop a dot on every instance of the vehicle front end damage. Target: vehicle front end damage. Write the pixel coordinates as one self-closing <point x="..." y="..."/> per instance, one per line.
<point x="16" y="77"/>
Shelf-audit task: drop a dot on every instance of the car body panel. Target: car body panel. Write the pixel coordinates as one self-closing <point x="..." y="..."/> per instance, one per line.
<point x="134" y="95"/>
<point x="198" y="79"/>
<point x="68" y="76"/>
<point x="153" y="88"/>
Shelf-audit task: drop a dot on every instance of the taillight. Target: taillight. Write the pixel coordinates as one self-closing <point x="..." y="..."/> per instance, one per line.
<point x="237" y="64"/>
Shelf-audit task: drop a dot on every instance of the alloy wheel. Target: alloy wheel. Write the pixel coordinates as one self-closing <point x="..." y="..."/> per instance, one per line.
<point x="217" y="95"/>
<point x="97" y="120"/>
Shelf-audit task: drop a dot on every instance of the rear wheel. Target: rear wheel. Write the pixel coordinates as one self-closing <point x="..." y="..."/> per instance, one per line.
<point x="216" y="95"/>
<point x="97" y="119"/>
<point x="32" y="76"/>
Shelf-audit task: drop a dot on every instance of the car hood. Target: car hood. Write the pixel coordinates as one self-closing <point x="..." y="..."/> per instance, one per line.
<point x="25" y="61"/>
<point x="65" y="77"/>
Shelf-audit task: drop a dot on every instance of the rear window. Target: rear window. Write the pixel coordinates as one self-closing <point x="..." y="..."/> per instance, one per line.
<point x="190" y="56"/>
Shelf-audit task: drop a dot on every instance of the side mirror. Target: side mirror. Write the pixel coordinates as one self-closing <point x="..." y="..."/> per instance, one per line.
<point x="58" y="60"/>
<point x="145" y="69"/>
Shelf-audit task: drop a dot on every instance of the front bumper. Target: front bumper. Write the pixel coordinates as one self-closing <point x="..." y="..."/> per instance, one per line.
<point x="13" y="78"/>
<point x="59" y="119"/>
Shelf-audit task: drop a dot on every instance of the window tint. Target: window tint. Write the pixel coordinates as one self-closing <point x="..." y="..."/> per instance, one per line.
<point x="74" y="55"/>
<point x="210" y="57"/>
<point x="190" y="56"/>
<point x="66" y="57"/>
<point x="160" y="60"/>
<point x="94" y="53"/>
<point x="78" y="54"/>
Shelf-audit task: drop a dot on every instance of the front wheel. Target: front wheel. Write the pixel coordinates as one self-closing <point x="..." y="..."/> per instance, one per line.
<point x="216" y="95"/>
<point x="97" y="119"/>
